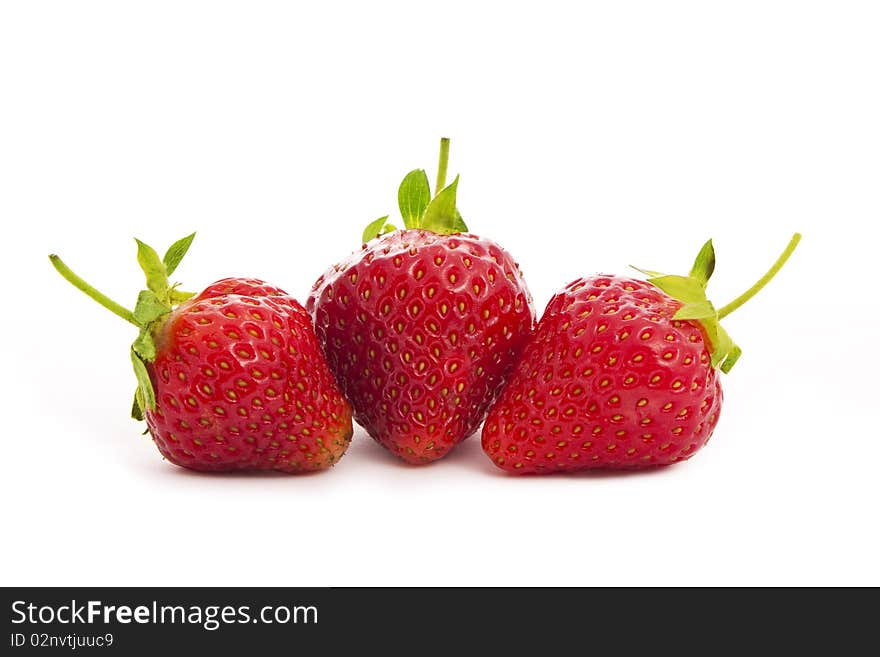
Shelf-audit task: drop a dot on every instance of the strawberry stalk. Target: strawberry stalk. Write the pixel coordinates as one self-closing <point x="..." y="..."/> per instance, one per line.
<point x="766" y="278"/>
<point x="418" y="209"/>
<point x="153" y="305"/>
<point x="91" y="292"/>
<point x="690" y="290"/>
<point x="443" y="163"/>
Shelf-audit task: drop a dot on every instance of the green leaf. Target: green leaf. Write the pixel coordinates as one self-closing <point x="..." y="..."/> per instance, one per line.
<point x="721" y="342"/>
<point x="149" y="308"/>
<point x="154" y="270"/>
<point x="696" y="310"/>
<point x="373" y="229"/>
<point x="442" y="216"/>
<point x="458" y="224"/>
<point x="175" y="253"/>
<point x="683" y="288"/>
<point x="691" y="291"/>
<point x="137" y="406"/>
<point x="724" y="351"/>
<point x="648" y="272"/>
<point x="145" y="386"/>
<point x="704" y="265"/>
<point x="413" y="197"/>
<point x="144" y="346"/>
<point x="732" y="357"/>
<point x="179" y="296"/>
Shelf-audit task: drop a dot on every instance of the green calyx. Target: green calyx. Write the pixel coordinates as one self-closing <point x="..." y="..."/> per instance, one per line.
<point x="418" y="209"/>
<point x="691" y="291"/>
<point x="152" y="305"/>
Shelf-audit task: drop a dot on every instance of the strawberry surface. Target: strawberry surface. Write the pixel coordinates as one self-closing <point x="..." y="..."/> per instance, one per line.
<point x="229" y="379"/>
<point x="610" y="380"/>
<point x="421" y="330"/>
<point x="241" y="384"/>
<point x="620" y="374"/>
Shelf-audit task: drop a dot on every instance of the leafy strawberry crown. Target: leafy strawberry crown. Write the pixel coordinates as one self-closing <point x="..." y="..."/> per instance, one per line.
<point x="690" y="290"/>
<point x="417" y="209"/>
<point x="152" y="306"/>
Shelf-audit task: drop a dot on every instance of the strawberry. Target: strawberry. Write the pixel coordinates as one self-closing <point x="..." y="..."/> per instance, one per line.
<point x="621" y="373"/>
<point x="232" y="378"/>
<point x="422" y="325"/>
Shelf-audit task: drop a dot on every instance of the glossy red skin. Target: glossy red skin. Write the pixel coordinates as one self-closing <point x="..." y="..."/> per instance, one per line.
<point x="609" y="380"/>
<point x="421" y="331"/>
<point x="241" y="384"/>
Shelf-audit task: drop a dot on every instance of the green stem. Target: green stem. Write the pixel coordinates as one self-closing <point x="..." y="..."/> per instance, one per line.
<point x="752" y="291"/>
<point x="441" y="167"/>
<point x="80" y="284"/>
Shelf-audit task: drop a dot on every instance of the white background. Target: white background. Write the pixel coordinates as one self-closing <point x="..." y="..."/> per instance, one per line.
<point x="588" y="136"/>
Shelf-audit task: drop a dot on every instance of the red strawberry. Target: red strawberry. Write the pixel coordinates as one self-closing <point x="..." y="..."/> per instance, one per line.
<point x="621" y="373"/>
<point x="422" y="326"/>
<point x="230" y="379"/>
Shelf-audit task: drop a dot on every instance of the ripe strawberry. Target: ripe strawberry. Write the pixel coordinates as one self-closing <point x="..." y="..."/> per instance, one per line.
<point x="230" y="379"/>
<point x="422" y="326"/>
<point x="620" y="373"/>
